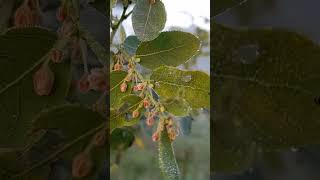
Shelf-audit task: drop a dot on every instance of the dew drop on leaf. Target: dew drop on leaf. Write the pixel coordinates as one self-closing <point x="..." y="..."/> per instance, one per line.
<point x="186" y="78"/>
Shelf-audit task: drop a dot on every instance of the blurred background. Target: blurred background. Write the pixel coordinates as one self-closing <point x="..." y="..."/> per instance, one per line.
<point x="299" y="16"/>
<point x="192" y="147"/>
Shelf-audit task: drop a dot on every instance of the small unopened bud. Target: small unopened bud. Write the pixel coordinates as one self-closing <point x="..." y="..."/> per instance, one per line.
<point x="135" y="113"/>
<point x="56" y="56"/>
<point x="117" y="67"/>
<point x="123" y="87"/>
<point x="138" y="87"/>
<point x="100" y="138"/>
<point x="155" y="136"/>
<point x="43" y="81"/>
<point x="61" y="14"/>
<point x="81" y="165"/>
<point x="97" y="79"/>
<point x="79" y="52"/>
<point x="150" y="121"/>
<point x="146" y="103"/>
<point x="83" y="83"/>
<point x="28" y="14"/>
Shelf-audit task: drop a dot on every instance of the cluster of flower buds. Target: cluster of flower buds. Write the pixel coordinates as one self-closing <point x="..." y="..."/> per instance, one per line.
<point x="81" y="165"/>
<point x="43" y="80"/>
<point x="28" y="14"/>
<point x="95" y="80"/>
<point x="166" y="125"/>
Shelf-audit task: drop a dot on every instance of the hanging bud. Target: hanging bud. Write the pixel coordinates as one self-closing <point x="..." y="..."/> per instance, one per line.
<point x="43" y="81"/>
<point x="117" y="67"/>
<point x="97" y="79"/>
<point x="83" y="83"/>
<point x="28" y="14"/>
<point x="123" y="87"/>
<point x="61" y="14"/>
<point x="146" y="103"/>
<point x="135" y="113"/>
<point x="66" y="29"/>
<point x="150" y="121"/>
<point x="56" y="56"/>
<point x="81" y="165"/>
<point x="155" y="136"/>
<point x="79" y="52"/>
<point x="100" y="139"/>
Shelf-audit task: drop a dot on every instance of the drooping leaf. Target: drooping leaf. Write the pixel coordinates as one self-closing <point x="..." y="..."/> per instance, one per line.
<point x="131" y="45"/>
<point x="21" y="52"/>
<point x="167" y="160"/>
<point x="148" y="19"/>
<point x="170" y="48"/>
<point x="192" y="86"/>
<point x="270" y="98"/>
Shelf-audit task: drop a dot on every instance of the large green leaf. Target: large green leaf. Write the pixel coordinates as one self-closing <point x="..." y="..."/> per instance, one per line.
<point x="21" y="52"/>
<point x="270" y="97"/>
<point x="192" y="86"/>
<point x="170" y="48"/>
<point x="148" y="19"/>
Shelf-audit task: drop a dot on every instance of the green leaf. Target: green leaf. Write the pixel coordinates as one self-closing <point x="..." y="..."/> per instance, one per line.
<point x="177" y="107"/>
<point x="220" y="6"/>
<point x="21" y="52"/>
<point x="148" y="19"/>
<point x="121" y="139"/>
<point x="271" y="97"/>
<point x="167" y="160"/>
<point x="72" y="120"/>
<point x="131" y="45"/>
<point x="119" y="118"/>
<point x="116" y="79"/>
<point x="170" y="48"/>
<point x="192" y="86"/>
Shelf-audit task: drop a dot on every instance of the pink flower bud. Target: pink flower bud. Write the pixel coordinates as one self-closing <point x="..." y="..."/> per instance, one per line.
<point x="61" y="14"/>
<point x="150" y="121"/>
<point x="97" y="79"/>
<point x="155" y="136"/>
<point x="100" y="139"/>
<point x="123" y="87"/>
<point x="83" y="83"/>
<point x="43" y="81"/>
<point x="138" y="87"/>
<point x="146" y="103"/>
<point x="28" y="14"/>
<point x="56" y="56"/>
<point x="135" y="113"/>
<point x="117" y="67"/>
<point x="81" y="165"/>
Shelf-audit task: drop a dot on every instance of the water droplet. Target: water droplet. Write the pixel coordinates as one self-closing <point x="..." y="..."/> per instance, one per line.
<point x="186" y="78"/>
